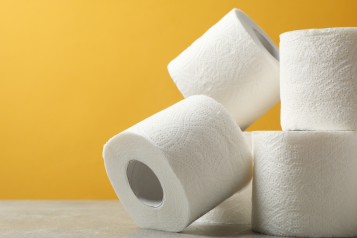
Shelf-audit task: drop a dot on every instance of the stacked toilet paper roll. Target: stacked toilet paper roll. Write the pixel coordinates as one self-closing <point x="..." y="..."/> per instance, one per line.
<point x="178" y="164"/>
<point x="305" y="183"/>
<point x="190" y="158"/>
<point x="236" y="209"/>
<point x="319" y="79"/>
<point x="235" y="63"/>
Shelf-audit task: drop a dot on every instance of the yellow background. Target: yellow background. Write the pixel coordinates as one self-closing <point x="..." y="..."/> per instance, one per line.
<point x="75" y="73"/>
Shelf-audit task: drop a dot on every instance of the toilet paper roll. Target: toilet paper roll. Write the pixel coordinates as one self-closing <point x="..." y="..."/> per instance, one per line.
<point x="236" y="209"/>
<point x="235" y="63"/>
<point x="178" y="164"/>
<point x="305" y="183"/>
<point x="319" y="79"/>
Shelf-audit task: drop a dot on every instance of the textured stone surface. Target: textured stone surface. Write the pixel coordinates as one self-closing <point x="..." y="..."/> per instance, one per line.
<point x="93" y="219"/>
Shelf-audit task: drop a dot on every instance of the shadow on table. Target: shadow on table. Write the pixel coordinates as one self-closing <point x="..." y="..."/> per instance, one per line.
<point x="202" y="230"/>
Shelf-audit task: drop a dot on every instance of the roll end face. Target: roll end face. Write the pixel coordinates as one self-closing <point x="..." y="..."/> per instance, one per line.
<point x="138" y="195"/>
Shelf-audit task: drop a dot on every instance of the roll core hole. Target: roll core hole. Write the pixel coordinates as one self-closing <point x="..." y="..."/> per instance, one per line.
<point x="144" y="184"/>
<point x="267" y="45"/>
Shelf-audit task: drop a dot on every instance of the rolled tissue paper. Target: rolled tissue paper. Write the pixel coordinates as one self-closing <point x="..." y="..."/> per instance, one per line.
<point x="178" y="164"/>
<point x="305" y="183"/>
<point x="236" y="209"/>
<point x="319" y="79"/>
<point x="235" y="63"/>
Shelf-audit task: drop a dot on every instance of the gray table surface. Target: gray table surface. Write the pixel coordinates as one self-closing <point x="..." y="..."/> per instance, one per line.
<point x="23" y="218"/>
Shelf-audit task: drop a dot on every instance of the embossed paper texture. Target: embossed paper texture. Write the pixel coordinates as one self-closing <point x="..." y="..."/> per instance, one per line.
<point x="305" y="183"/>
<point x="230" y="64"/>
<point x="319" y="79"/>
<point x="196" y="150"/>
<point x="236" y="209"/>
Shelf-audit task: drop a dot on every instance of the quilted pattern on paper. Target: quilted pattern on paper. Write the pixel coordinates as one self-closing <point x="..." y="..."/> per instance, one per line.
<point x="319" y="79"/>
<point x="305" y="183"/>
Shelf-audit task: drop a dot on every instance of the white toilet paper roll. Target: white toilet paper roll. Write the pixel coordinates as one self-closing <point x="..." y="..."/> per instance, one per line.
<point x="178" y="164"/>
<point x="305" y="183"/>
<point x="235" y="63"/>
<point x="319" y="79"/>
<point x="236" y="209"/>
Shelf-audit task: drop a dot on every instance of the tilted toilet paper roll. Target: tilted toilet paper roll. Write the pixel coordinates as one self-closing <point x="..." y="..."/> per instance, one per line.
<point x="236" y="209"/>
<point x="178" y="164"/>
<point x="305" y="183"/>
<point x="235" y="63"/>
<point x="319" y="79"/>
